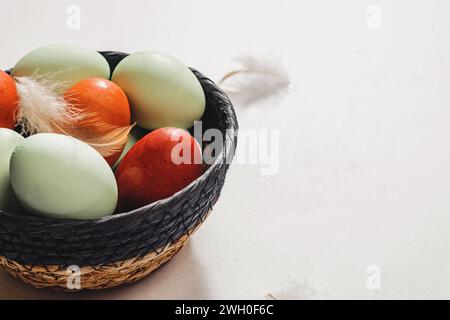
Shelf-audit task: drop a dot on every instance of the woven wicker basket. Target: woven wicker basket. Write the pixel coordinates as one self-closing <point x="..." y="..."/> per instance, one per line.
<point x="125" y="247"/>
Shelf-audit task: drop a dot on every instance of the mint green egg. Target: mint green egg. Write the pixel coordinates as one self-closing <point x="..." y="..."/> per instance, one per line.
<point x="162" y="91"/>
<point x="59" y="176"/>
<point x="64" y="63"/>
<point x="9" y="139"/>
<point x="135" y="135"/>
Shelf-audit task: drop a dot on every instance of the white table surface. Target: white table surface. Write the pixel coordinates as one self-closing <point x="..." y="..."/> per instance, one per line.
<point x="364" y="175"/>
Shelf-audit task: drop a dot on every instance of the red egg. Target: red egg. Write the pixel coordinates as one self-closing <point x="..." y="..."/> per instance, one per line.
<point x="160" y="164"/>
<point x="8" y="100"/>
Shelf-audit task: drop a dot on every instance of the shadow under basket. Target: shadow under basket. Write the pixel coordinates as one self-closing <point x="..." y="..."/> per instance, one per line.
<point x="125" y="247"/>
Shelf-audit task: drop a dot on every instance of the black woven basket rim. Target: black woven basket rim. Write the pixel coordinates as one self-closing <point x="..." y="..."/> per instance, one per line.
<point x="229" y="146"/>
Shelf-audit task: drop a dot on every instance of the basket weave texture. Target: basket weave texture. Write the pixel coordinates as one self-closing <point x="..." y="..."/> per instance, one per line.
<point x="124" y="247"/>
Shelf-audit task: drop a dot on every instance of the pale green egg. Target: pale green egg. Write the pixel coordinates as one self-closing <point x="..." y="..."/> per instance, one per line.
<point x="63" y="63"/>
<point x="59" y="176"/>
<point x="9" y="139"/>
<point x="162" y="91"/>
<point x="135" y="135"/>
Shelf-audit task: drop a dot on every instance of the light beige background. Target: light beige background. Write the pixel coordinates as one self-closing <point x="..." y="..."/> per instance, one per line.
<point x="364" y="173"/>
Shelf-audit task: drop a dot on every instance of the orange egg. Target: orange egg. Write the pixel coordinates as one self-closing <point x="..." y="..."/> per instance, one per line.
<point x="106" y="102"/>
<point x="8" y="100"/>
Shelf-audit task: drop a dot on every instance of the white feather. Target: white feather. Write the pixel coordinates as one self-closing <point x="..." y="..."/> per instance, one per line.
<point x="255" y="79"/>
<point x="40" y="105"/>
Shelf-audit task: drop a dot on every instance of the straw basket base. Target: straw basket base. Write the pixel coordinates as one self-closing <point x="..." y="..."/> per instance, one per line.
<point x="98" y="277"/>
